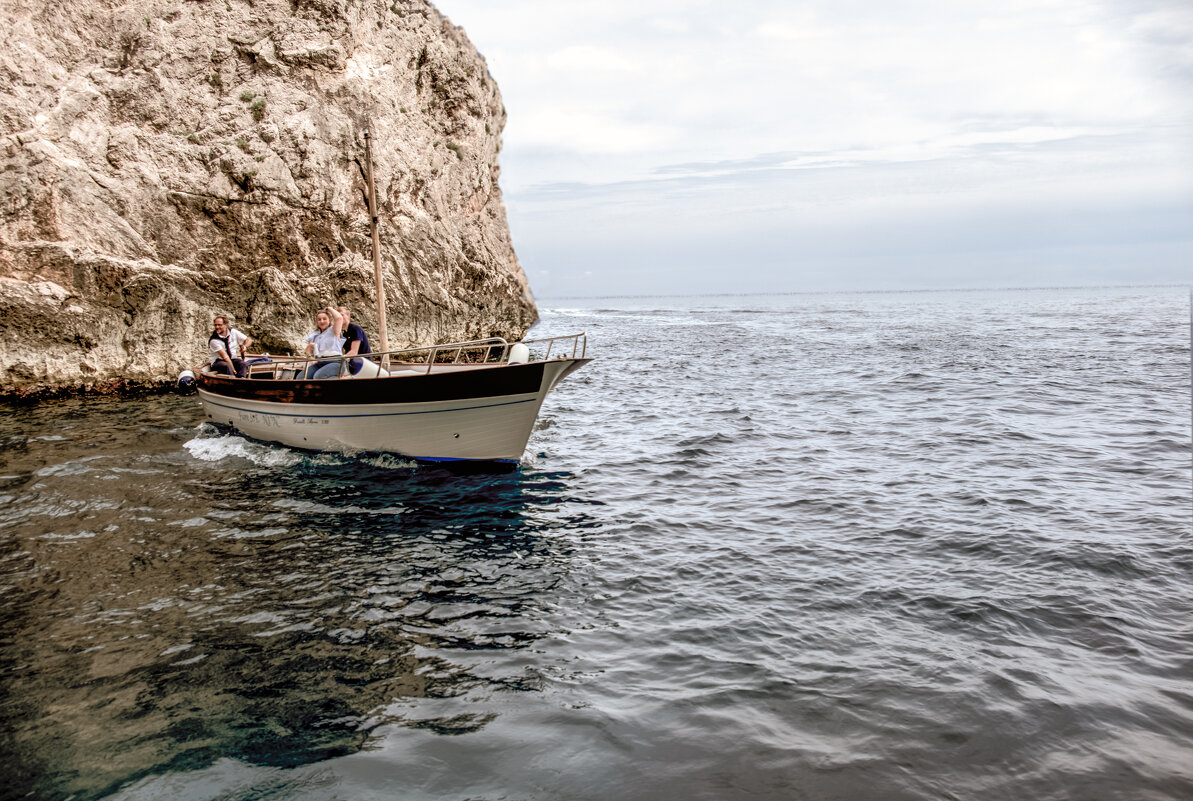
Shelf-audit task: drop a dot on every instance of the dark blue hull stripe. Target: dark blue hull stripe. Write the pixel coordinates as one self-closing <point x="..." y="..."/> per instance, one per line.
<point x="381" y="414"/>
<point x="456" y="459"/>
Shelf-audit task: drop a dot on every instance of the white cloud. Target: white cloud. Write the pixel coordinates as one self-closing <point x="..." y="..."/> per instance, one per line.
<point x="586" y="133"/>
<point x="932" y="102"/>
<point x="791" y="72"/>
<point x="792" y="30"/>
<point x="589" y="57"/>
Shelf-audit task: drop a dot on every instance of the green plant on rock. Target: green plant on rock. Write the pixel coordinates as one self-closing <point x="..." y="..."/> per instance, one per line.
<point x="242" y="143"/>
<point x="258" y="109"/>
<point x="246" y="95"/>
<point x="216" y="80"/>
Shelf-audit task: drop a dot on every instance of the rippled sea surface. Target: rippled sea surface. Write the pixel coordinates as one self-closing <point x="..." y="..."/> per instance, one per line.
<point x="905" y="546"/>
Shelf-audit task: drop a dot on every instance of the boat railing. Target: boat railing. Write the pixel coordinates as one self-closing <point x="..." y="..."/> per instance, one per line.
<point x="579" y="345"/>
<point x="493" y="350"/>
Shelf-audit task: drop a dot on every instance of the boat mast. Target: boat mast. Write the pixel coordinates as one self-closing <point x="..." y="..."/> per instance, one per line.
<point x="373" y="225"/>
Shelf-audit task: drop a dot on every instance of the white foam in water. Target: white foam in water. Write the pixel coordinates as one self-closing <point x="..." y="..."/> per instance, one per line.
<point x="571" y="312"/>
<point x="213" y="449"/>
<point x="388" y="461"/>
<point x="328" y="458"/>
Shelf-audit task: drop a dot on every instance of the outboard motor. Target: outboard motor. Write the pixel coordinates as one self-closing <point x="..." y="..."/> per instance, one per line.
<point x="186" y="381"/>
<point x="519" y="353"/>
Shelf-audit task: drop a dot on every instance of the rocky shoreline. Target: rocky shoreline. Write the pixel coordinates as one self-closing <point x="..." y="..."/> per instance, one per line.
<point x="115" y="387"/>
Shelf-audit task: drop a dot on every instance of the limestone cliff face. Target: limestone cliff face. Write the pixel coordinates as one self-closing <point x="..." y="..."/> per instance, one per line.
<point x="162" y="161"/>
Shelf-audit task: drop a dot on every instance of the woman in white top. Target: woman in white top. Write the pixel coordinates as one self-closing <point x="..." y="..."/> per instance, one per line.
<point x="327" y="340"/>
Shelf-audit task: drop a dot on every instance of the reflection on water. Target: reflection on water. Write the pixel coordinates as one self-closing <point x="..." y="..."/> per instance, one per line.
<point x="888" y="548"/>
<point x="165" y="605"/>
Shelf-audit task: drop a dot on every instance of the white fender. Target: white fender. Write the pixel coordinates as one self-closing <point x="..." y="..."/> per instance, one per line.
<point x="370" y="369"/>
<point x="519" y="353"/>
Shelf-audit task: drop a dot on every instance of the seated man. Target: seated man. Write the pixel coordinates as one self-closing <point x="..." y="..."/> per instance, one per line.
<point x="356" y="342"/>
<point x="227" y="347"/>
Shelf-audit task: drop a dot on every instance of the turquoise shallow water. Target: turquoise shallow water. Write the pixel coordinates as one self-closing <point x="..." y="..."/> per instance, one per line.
<point x="890" y="546"/>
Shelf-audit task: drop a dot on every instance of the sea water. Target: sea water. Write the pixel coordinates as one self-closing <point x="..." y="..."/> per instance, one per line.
<point x="857" y="546"/>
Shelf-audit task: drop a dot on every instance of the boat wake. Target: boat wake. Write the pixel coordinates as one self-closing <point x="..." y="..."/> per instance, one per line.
<point x="211" y="445"/>
<point x="214" y="443"/>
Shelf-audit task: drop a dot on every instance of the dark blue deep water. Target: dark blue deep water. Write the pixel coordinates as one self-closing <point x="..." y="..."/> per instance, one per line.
<point x="865" y="546"/>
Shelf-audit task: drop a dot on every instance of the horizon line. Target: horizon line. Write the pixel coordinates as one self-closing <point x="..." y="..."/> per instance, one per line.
<point x="859" y="291"/>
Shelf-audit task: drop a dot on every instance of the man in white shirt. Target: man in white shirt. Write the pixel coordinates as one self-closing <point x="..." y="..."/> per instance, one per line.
<point x="227" y="347"/>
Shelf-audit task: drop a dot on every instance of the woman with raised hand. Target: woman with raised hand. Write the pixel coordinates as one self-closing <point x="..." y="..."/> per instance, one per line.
<point x="326" y="341"/>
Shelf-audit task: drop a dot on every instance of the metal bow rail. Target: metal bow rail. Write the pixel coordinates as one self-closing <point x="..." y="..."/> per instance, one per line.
<point x="490" y="352"/>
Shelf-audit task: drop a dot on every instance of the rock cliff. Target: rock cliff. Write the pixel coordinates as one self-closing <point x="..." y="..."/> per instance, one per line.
<point x="162" y="161"/>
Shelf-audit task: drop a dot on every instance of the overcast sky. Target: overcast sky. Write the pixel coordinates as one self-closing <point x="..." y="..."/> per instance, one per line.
<point x="685" y="146"/>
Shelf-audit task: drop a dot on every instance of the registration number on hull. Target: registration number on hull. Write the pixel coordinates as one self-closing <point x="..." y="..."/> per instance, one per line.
<point x="272" y="421"/>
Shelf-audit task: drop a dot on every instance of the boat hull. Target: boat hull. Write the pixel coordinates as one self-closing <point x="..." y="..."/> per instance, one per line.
<point x="485" y="414"/>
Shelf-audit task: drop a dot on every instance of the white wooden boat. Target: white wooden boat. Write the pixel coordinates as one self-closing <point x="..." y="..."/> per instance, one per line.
<point x="475" y="401"/>
<point x="477" y="404"/>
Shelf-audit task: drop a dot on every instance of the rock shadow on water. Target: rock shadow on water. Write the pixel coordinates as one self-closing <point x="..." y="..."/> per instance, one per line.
<point x="319" y="601"/>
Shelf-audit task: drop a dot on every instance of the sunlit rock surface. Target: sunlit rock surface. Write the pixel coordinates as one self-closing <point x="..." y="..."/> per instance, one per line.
<point x="167" y="160"/>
